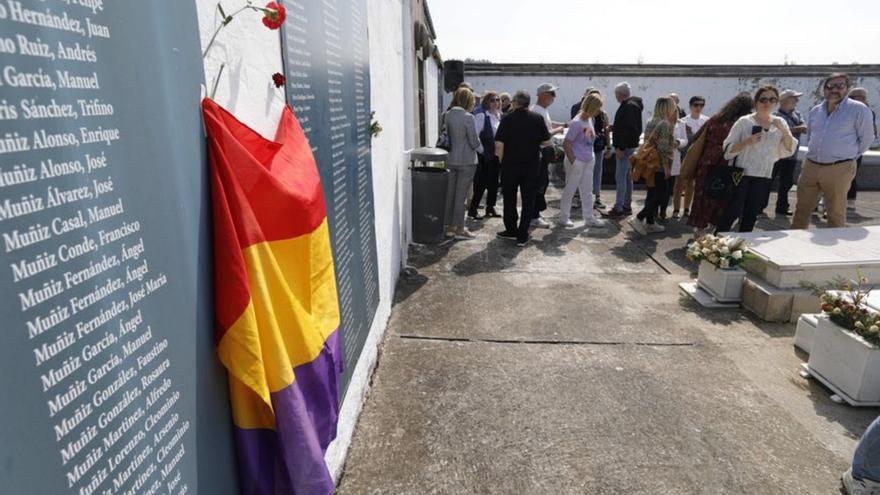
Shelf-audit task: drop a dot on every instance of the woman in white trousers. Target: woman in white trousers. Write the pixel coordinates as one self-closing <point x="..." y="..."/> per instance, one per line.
<point x="579" y="163"/>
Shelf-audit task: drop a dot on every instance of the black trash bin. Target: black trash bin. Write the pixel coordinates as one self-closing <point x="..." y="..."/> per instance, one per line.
<point x="429" y="204"/>
<point x="428" y="196"/>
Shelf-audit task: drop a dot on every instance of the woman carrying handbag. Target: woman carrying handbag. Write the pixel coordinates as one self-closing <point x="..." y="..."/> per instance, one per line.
<point x="756" y="141"/>
<point x="461" y="162"/>
<point x="708" y="154"/>
<point x="653" y="162"/>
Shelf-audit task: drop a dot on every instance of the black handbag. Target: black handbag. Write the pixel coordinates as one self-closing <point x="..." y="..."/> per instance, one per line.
<point x="443" y="141"/>
<point x="722" y="181"/>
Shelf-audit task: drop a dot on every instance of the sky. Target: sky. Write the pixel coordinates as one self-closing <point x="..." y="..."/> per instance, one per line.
<point x="633" y="31"/>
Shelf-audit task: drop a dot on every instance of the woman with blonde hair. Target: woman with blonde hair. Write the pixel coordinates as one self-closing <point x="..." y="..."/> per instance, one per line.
<point x="461" y="161"/>
<point x="659" y="134"/>
<point x="579" y="162"/>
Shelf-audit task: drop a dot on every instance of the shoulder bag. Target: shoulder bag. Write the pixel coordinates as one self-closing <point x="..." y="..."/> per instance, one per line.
<point x="722" y="181"/>
<point x="646" y="160"/>
<point x="692" y="157"/>
<point x="443" y="138"/>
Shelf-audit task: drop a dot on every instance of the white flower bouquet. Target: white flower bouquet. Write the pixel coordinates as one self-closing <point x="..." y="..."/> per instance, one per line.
<point x="844" y="303"/>
<point x="722" y="251"/>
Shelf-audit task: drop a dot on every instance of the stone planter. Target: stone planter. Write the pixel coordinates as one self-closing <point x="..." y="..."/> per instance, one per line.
<point x="846" y="361"/>
<point x="806" y="332"/>
<point x="724" y="285"/>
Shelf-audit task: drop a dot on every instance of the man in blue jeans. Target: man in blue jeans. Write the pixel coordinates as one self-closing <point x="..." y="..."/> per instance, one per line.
<point x="626" y="131"/>
<point x="863" y="478"/>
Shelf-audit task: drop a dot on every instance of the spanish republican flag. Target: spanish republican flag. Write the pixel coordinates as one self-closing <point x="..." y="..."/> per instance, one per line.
<point x="276" y="304"/>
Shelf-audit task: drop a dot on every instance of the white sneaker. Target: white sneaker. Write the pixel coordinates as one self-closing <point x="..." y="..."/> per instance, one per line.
<point x="464" y="235"/>
<point x="853" y="486"/>
<point x="540" y="223"/>
<point x="595" y="222"/>
<point x="568" y="224"/>
<point x="654" y="228"/>
<point x="637" y="225"/>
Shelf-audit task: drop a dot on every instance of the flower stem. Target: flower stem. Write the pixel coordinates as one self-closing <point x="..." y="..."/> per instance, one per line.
<point x="217" y="80"/>
<point x="226" y="20"/>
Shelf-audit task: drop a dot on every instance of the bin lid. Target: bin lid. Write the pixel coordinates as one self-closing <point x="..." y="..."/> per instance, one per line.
<point x="428" y="154"/>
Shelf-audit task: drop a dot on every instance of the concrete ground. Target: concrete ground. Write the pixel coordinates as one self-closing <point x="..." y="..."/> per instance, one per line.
<point x="575" y="366"/>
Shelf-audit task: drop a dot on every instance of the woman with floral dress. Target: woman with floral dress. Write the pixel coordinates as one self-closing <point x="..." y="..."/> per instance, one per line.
<point x="706" y="211"/>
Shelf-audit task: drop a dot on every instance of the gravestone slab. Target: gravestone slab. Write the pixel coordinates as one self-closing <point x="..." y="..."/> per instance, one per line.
<point x="703" y="297"/>
<point x="805" y="332"/>
<point x="788" y="257"/>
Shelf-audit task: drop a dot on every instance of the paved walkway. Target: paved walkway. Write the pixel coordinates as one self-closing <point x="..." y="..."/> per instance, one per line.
<point x="575" y="366"/>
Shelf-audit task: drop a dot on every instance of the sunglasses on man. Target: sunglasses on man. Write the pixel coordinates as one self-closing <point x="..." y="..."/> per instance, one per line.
<point x="840" y="85"/>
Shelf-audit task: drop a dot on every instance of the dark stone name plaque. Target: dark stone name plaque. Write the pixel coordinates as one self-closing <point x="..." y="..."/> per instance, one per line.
<point x="326" y="58"/>
<point x="104" y="252"/>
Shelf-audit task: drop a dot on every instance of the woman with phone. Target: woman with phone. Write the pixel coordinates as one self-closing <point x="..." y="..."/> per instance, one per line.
<point x="756" y="142"/>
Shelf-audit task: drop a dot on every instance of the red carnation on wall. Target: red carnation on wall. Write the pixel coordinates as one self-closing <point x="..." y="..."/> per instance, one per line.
<point x="274" y="15"/>
<point x="278" y="79"/>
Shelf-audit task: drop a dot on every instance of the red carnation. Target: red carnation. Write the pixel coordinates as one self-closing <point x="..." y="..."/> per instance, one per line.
<point x="278" y="79"/>
<point x="274" y="15"/>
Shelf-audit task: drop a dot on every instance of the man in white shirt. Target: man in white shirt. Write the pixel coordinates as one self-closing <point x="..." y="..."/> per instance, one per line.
<point x="693" y="123"/>
<point x="696" y="119"/>
<point x="546" y="97"/>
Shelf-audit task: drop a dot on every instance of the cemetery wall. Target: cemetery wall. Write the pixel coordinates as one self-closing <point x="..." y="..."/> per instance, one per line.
<point x="716" y="84"/>
<point x="251" y="55"/>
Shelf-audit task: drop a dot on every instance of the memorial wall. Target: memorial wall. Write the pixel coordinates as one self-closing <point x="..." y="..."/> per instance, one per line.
<point x="104" y="254"/>
<point x="326" y="56"/>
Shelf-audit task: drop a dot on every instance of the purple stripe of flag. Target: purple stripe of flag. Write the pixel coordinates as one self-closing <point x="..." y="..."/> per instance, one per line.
<point x="290" y="459"/>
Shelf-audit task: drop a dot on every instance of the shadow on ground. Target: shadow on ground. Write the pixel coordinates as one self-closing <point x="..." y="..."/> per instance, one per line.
<point x="575" y="365"/>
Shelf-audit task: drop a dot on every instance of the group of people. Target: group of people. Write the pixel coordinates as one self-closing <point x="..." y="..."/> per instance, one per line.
<point x="722" y="167"/>
<point x="715" y="171"/>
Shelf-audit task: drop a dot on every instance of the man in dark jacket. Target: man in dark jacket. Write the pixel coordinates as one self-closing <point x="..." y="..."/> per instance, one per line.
<point x="783" y="170"/>
<point x="626" y="131"/>
<point x="518" y="147"/>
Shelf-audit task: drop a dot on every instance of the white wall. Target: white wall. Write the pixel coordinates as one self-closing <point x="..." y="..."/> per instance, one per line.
<point x="432" y="116"/>
<point x="390" y="190"/>
<point x="252" y="54"/>
<point x="716" y="90"/>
